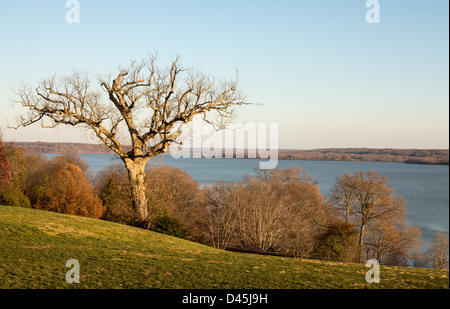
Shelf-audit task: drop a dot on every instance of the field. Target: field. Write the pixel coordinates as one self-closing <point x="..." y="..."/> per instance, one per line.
<point x="35" y="245"/>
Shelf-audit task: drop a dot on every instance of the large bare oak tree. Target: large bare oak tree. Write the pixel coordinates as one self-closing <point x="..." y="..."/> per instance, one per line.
<point x="151" y="105"/>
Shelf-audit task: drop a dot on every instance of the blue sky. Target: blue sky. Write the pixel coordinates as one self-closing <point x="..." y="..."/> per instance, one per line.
<point x="318" y="68"/>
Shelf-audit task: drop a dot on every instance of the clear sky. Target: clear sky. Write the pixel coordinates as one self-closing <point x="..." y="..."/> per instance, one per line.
<point x="329" y="78"/>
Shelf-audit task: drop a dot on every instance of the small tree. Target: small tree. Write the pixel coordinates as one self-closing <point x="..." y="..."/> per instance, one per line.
<point x="344" y="194"/>
<point x="113" y="188"/>
<point x="374" y="202"/>
<point x="392" y="242"/>
<point x="438" y="253"/>
<point x="150" y="104"/>
<point x="221" y="206"/>
<point x="259" y="216"/>
<point x="306" y="213"/>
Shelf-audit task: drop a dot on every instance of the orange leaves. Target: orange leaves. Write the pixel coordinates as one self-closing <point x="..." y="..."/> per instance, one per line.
<point x="68" y="191"/>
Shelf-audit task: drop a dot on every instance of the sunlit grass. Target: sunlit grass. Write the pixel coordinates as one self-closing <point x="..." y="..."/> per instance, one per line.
<point x="35" y="245"/>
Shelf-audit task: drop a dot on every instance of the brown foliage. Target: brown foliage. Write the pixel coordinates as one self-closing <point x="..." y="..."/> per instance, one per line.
<point x="38" y="169"/>
<point x="68" y="191"/>
<point x="279" y="210"/>
<point x="12" y="193"/>
<point x="5" y="168"/>
<point x="172" y="192"/>
<point x="306" y="212"/>
<point x="221" y="202"/>
<point x="112" y="186"/>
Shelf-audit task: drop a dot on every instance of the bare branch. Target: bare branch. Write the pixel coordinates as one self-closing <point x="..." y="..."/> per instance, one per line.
<point x="150" y="103"/>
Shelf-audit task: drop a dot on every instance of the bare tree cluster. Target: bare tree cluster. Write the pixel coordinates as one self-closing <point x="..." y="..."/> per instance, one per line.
<point x="367" y="201"/>
<point x="276" y="211"/>
<point x="436" y="255"/>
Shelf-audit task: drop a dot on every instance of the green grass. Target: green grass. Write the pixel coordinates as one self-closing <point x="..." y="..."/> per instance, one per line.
<point x="35" y="245"/>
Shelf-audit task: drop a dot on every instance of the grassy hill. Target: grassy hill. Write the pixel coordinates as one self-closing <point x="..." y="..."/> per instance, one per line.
<point x="35" y="245"/>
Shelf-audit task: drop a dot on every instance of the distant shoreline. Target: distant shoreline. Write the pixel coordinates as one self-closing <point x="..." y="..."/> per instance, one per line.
<point x="409" y="156"/>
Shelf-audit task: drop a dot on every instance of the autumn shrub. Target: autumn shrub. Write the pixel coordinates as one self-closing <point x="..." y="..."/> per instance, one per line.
<point x="38" y="170"/>
<point x="11" y="192"/>
<point x="5" y="168"/>
<point x="173" y="193"/>
<point x="68" y="191"/>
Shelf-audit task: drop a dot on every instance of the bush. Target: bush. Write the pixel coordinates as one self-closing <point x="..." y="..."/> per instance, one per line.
<point x="68" y="191"/>
<point x="336" y="243"/>
<point x="172" y="192"/>
<point x="11" y="191"/>
<point x="170" y="226"/>
<point x="13" y="196"/>
<point x="112" y="186"/>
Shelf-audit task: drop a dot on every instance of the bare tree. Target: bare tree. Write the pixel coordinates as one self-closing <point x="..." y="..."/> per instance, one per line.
<point x="375" y="202"/>
<point x="393" y="242"/>
<point x="305" y="213"/>
<point x="221" y="203"/>
<point x="149" y="105"/>
<point x="344" y="194"/>
<point x="259" y="216"/>
<point x="438" y="252"/>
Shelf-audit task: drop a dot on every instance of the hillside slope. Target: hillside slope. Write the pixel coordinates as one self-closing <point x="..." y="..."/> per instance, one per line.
<point x="35" y="245"/>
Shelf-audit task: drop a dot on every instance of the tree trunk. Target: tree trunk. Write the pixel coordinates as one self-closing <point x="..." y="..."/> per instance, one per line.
<point x="360" y="244"/>
<point x="136" y="176"/>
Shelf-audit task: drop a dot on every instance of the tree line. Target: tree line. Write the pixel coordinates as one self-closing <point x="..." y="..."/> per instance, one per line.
<point x="275" y="212"/>
<point x="413" y="156"/>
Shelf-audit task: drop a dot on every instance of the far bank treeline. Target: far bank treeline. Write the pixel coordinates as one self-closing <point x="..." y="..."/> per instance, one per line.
<point x="278" y="212"/>
<point x="413" y="156"/>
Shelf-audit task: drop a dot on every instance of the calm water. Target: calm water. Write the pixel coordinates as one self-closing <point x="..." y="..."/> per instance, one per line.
<point x="424" y="187"/>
